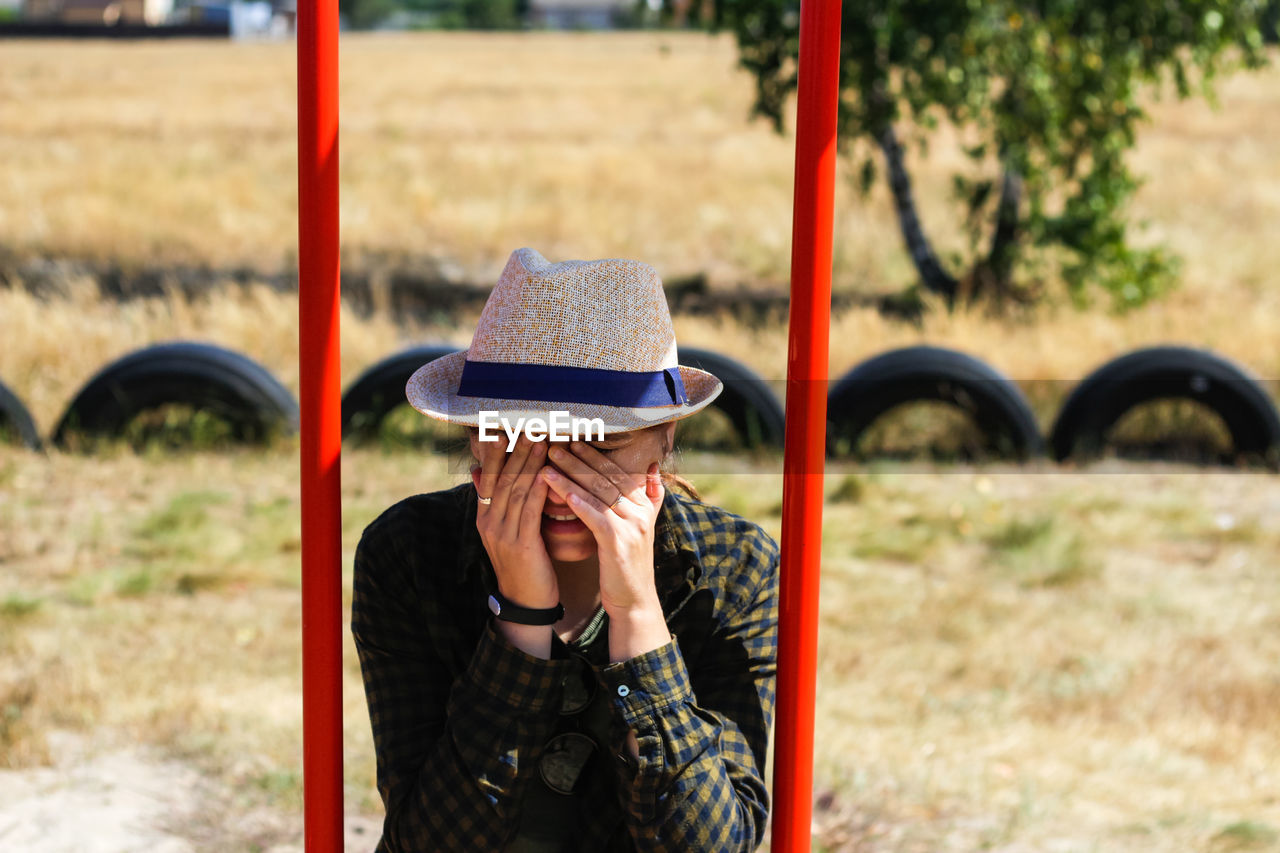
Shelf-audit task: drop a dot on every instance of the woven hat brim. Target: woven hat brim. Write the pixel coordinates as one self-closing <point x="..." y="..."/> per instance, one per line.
<point x="433" y="390"/>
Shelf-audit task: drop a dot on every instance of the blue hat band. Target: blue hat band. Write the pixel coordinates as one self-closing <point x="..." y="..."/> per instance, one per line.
<point x="549" y="382"/>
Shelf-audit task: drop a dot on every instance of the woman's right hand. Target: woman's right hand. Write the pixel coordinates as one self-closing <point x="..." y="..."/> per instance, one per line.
<point x="511" y="525"/>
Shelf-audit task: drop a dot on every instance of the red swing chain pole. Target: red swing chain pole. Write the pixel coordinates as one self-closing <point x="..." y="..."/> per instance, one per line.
<point x="321" y="405"/>
<point x="807" y="355"/>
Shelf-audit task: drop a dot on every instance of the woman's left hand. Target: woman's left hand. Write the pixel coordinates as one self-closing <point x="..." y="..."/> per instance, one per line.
<point x="620" y="509"/>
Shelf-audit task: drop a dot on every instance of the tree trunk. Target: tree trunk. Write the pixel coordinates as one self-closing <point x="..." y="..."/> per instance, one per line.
<point x="1000" y="259"/>
<point x="932" y="275"/>
<point x="995" y="272"/>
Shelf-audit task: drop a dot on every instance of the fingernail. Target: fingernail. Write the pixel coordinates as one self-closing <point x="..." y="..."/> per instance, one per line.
<point x="556" y="453"/>
<point x="551" y="474"/>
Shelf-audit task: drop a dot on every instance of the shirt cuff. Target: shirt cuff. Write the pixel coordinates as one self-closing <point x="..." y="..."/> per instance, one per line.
<point x="643" y="687"/>
<point x="517" y="679"/>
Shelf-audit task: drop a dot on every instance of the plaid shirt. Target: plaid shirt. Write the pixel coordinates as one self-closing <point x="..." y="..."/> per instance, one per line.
<point x="460" y="716"/>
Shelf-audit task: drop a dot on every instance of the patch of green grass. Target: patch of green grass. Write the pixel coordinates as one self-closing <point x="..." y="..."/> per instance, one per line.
<point x="189" y="583"/>
<point x="173" y="427"/>
<point x="85" y="589"/>
<point x="272" y="528"/>
<point x="1171" y="428"/>
<point x="927" y="429"/>
<point x="1042" y="552"/>
<point x="19" y="605"/>
<point x="136" y="583"/>
<point x="278" y="781"/>
<point x="282" y="786"/>
<point x="850" y="490"/>
<point x="170" y="429"/>
<point x="910" y="539"/>
<point x="15" y="701"/>
<point x="187" y="511"/>
<point x="1246" y="835"/>
<point x="181" y="530"/>
<point x="1018" y="533"/>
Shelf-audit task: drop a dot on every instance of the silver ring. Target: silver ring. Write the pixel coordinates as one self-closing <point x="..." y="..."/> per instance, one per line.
<point x="485" y="501"/>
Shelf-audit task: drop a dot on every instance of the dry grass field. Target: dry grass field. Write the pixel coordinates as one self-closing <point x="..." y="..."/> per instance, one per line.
<point x="1013" y="658"/>
<point x="458" y="148"/>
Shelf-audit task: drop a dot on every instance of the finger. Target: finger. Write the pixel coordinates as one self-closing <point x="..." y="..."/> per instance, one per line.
<point x="508" y="497"/>
<point x="503" y="473"/>
<point x="492" y="457"/>
<point x="653" y="489"/>
<point x="521" y="486"/>
<point x="622" y="479"/>
<point x="590" y="509"/>
<point x="531" y="515"/>
<point x="596" y="482"/>
<point x="587" y="509"/>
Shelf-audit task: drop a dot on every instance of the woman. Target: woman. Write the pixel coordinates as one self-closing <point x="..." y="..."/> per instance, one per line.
<point x="563" y="655"/>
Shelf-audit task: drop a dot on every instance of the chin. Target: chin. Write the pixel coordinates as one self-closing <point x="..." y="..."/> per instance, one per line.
<point x="571" y="552"/>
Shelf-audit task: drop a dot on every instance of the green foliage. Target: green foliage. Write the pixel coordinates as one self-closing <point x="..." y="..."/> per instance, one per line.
<point x="491" y="14"/>
<point x="363" y="14"/>
<point x="440" y="14"/>
<point x="1049" y="90"/>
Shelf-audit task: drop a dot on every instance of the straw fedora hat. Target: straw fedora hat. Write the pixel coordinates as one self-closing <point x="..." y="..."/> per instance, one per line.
<point x="591" y="338"/>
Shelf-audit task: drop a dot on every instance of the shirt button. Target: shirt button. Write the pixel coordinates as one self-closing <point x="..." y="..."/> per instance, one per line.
<point x="623" y="690"/>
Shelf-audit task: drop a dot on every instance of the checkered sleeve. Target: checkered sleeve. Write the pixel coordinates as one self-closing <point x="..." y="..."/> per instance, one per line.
<point x="454" y="748"/>
<point x="698" y="785"/>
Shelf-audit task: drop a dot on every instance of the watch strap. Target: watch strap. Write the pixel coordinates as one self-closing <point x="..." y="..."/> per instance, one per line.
<point x="510" y="612"/>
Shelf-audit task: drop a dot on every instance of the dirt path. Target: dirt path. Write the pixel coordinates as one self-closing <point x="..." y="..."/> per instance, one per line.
<point x="133" y="801"/>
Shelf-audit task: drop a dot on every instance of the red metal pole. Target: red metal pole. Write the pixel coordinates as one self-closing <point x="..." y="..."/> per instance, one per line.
<point x="321" y="405"/>
<point x="807" y="353"/>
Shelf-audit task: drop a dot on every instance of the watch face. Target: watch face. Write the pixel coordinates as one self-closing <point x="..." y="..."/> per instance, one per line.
<point x="494" y="606"/>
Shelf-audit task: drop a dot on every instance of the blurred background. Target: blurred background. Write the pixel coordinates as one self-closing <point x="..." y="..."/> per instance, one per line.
<point x="1049" y="588"/>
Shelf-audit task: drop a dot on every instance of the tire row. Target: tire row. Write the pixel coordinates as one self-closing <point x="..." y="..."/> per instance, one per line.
<point x="254" y="404"/>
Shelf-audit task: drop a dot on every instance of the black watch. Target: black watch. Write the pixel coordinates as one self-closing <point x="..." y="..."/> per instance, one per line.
<point x="509" y="612"/>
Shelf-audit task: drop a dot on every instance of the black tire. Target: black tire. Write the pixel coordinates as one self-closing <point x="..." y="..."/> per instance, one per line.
<point x="997" y="406"/>
<point x="747" y="400"/>
<point x="207" y="377"/>
<point x="1164" y="372"/>
<point x="380" y="389"/>
<point x="15" y="420"/>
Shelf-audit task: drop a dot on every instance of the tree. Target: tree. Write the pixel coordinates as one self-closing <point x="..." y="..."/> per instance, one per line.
<point x="363" y="14"/>
<point x="1047" y="95"/>
<point x="440" y="14"/>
